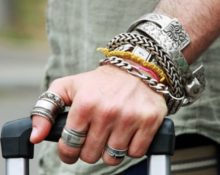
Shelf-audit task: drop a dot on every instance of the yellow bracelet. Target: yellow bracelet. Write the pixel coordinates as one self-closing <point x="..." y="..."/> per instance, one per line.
<point x="137" y="59"/>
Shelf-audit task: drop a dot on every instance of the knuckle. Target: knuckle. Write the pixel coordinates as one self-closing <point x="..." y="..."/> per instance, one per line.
<point x="88" y="158"/>
<point x="67" y="156"/>
<point x="112" y="162"/>
<point x="136" y="152"/>
<point x="108" y="113"/>
<point x="66" y="153"/>
<point x="149" y="119"/>
<point x="128" y="118"/>
<point x="84" y="105"/>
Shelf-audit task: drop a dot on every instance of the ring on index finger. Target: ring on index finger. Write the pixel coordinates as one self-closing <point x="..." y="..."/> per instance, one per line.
<point x="73" y="138"/>
<point x="48" y="106"/>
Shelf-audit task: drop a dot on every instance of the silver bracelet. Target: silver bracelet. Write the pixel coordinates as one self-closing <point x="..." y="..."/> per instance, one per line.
<point x="194" y="81"/>
<point x="152" y="30"/>
<point x="163" y="58"/>
<point x="171" y="27"/>
<point x="173" y="103"/>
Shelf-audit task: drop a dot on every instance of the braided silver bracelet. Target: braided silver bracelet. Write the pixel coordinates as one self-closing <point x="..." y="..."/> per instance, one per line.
<point x="150" y="29"/>
<point x="163" y="58"/>
<point x="151" y="82"/>
<point x="173" y="103"/>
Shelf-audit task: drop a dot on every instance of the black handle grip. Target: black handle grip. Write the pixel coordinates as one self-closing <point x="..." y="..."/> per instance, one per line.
<point x="57" y="128"/>
<point x="164" y="140"/>
<point x="15" y="137"/>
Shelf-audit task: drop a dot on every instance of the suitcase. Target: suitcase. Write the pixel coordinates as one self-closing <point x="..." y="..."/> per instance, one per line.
<point x="17" y="150"/>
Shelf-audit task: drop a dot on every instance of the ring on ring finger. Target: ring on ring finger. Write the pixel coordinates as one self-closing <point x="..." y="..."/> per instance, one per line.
<point x="73" y="138"/>
<point x="116" y="153"/>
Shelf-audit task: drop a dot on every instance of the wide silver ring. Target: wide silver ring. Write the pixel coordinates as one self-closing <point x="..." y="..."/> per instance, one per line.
<point x="48" y="106"/>
<point x="73" y="138"/>
<point x="116" y="153"/>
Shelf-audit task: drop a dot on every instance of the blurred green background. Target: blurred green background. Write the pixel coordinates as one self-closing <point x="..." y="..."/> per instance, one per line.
<point x="22" y="21"/>
<point x="23" y="55"/>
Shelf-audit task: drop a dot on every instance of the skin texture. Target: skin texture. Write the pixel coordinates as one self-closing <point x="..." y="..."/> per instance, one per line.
<point x="201" y="20"/>
<point x="116" y="107"/>
<point x="110" y="104"/>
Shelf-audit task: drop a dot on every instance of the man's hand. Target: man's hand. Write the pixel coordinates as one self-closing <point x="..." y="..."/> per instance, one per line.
<point x="114" y="107"/>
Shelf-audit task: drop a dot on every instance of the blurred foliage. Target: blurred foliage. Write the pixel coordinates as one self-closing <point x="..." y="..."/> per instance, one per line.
<point x="26" y="21"/>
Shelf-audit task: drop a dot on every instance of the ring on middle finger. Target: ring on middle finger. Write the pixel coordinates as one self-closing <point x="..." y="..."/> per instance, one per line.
<point x="73" y="138"/>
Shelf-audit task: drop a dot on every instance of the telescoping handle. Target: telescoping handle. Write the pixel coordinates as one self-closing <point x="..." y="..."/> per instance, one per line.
<point x="17" y="149"/>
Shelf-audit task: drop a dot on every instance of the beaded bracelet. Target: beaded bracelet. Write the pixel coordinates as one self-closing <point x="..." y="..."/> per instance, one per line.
<point x="137" y="59"/>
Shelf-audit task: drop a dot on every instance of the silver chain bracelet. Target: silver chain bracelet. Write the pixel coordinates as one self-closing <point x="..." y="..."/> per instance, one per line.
<point x="173" y="103"/>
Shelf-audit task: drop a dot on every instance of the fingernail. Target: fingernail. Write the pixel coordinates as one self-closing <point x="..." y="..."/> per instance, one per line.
<point x="34" y="134"/>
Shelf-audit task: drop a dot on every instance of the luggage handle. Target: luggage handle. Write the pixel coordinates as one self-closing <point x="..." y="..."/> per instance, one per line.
<point x="15" y="138"/>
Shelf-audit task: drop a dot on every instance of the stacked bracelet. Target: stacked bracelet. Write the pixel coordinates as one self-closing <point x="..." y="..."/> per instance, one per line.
<point x="137" y="59"/>
<point x="163" y="59"/>
<point x="133" y="70"/>
<point x="152" y="30"/>
<point x="154" y="44"/>
<point x="172" y="37"/>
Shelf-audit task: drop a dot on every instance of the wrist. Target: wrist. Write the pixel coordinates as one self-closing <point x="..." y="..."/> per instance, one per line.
<point x="200" y="19"/>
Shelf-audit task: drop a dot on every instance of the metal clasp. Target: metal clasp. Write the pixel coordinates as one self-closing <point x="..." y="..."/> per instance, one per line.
<point x="195" y="86"/>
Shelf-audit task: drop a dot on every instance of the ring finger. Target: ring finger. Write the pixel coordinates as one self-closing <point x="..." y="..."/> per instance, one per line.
<point x="117" y="145"/>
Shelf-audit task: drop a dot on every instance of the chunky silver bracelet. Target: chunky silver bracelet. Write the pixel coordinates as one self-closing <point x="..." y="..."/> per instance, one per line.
<point x="169" y="34"/>
<point x="152" y="30"/>
<point x="194" y="81"/>
<point x="171" y="27"/>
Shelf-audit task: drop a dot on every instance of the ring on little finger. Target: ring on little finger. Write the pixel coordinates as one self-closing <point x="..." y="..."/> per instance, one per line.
<point x="73" y="138"/>
<point x="116" y="153"/>
<point x="48" y="106"/>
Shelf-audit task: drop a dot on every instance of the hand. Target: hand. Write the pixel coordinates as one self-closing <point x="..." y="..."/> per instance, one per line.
<point x="114" y="107"/>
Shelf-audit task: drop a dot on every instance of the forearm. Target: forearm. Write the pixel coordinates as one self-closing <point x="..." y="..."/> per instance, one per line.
<point x="201" y="20"/>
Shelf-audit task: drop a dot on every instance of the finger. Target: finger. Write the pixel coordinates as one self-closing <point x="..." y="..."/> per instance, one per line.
<point x="40" y="129"/>
<point x="140" y="143"/>
<point x="95" y="143"/>
<point x="118" y="140"/>
<point x="42" y="123"/>
<point x="77" y="121"/>
<point x="143" y="138"/>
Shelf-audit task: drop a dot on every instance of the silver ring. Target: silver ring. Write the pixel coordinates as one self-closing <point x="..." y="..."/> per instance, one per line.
<point x="116" y="153"/>
<point x="48" y="106"/>
<point x="73" y="138"/>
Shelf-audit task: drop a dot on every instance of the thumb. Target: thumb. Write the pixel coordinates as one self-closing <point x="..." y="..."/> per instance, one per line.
<point x="40" y="129"/>
<point x="40" y="125"/>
